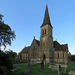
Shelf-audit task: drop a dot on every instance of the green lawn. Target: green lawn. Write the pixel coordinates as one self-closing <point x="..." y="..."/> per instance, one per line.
<point x="36" y="70"/>
<point x="71" y="64"/>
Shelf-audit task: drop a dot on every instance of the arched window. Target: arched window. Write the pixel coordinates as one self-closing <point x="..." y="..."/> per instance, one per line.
<point x="45" y="31"/>
<point x="33" y="51"/>
<point x="42" y="32"/>
<point x="58" y="55"/>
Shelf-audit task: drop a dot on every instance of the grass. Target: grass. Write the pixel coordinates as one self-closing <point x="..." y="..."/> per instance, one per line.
<point x="36" y="70"/>
<point x="71" y="64"/>
<point x="20" y="62"/>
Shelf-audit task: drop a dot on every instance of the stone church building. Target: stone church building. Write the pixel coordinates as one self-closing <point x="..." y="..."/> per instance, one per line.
<point x="45" y="49"/>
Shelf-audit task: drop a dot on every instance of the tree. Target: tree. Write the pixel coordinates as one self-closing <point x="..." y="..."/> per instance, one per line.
<point x="6" y="63"/>
<point x="6" y="33"/>
<point x="69" y="54"/>
<point x="6" y="36"/>
<point x="12" y="54"/>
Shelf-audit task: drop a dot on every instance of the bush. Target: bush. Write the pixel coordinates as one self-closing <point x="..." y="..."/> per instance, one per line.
<point x="6" y="63"/>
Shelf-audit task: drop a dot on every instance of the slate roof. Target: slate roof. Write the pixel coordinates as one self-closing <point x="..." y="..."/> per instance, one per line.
<point x="37" y="41"/>
<point x="59" y="47"/>
<point x="46" y="18"/>
<point x="56" y="45"/>
<point x="25" y="49"/>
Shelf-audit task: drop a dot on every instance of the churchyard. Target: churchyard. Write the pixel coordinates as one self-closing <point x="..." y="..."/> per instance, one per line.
<point x="36" y="69"/>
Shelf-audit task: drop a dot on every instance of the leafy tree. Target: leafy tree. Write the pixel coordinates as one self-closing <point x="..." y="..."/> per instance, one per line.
<point x="6" y="63"/>
<point x="6" y="36"/>
<point x="69" y="54"/>
<point x="6" y="33"/>
<point x="12" y="54"/>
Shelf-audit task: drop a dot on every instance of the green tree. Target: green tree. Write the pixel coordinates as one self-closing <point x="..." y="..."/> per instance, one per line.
<point x="6" y="63"/>
<point x="6" y="33"/>
<point x="12" y="54"/>
<point x="69" y="54"/>
<point x="6" y="36"/>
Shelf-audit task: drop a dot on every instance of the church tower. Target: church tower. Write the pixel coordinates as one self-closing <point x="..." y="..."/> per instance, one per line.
<point x="46" y="39"/>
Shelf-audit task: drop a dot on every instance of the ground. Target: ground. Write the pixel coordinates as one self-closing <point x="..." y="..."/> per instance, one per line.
<point x="36" y="70"/>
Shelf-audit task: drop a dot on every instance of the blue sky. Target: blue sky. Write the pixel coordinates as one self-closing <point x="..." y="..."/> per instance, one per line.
<point x="26" y="16"/>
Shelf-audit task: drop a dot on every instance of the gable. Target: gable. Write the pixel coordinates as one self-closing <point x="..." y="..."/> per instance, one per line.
<point x="59" y="47"/>
<point x="34" y="49"/>
<point x="35" y="43"/>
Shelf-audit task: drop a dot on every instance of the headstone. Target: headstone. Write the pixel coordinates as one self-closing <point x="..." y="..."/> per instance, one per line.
<point x="34" y="63"/>
<point x="44" y="62"/>
<point x="28" y="70"/>
<point x="59" y="70"/>
<point x="50" y="65"/>
<point x="66" y="69"/>
<point x="42" y="65"/>
<point x="14" y="69"/>
<point x="31" y="63"/>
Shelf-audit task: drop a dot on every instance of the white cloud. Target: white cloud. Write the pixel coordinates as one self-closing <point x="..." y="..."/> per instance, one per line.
<point x="73" y="53"/>
<point x="7" y="47"/>
<point x="17" y="52"/>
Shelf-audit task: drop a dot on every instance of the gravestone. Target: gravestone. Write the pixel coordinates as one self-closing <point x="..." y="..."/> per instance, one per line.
<point x="42" y="65"/>
<point x="34" y="63"/>
<point x="28" y="70"/>
<point x="31" y="62"/>
<point x="66" y="69"/>
<point x="59" y="70"/>
<point x="44" y="62"/>
<point x="50" y="65"/>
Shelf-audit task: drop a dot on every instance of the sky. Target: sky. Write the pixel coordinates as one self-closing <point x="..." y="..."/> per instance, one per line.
<point x="26" y="16"/>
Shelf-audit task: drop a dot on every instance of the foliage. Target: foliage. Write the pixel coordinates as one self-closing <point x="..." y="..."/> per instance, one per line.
<point x="6" y="63"/>
<point x="69" y="54"/>
<point x="71" y="64"/>
<point x="72" y="58"/>
<point x="12" y="54"/>
<point x="6" y="34"/>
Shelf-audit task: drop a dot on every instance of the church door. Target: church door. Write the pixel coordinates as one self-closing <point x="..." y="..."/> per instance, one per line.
<point x="44" y="57"/>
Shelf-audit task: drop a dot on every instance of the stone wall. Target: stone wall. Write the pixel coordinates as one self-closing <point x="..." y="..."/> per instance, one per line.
<point x="60" y="56"/>
<point x="33" y="52"/>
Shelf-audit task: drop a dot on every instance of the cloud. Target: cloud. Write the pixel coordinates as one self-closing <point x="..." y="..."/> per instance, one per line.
<point x="7" y="47"/>
<point x="73" y="53"/>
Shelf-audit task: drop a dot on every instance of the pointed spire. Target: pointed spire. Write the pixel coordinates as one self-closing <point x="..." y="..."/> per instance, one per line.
<point x="34" y="37"/>
<point x="46" y="17"/>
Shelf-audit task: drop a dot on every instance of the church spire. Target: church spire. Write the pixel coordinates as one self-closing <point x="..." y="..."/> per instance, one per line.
<point x="46" y="17"/>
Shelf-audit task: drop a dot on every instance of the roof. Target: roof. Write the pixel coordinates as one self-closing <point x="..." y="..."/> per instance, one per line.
<point x="37" y="41"/>
<point x="46" y="18"/>
<point x="59" y="47"/>
<point x="25" y="49"/>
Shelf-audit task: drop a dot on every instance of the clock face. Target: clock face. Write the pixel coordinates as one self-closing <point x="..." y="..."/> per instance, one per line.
<point x="44" y="38"/>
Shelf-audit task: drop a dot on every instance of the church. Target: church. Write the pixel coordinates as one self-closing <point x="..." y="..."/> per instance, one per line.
<point x="45" y="49"/>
